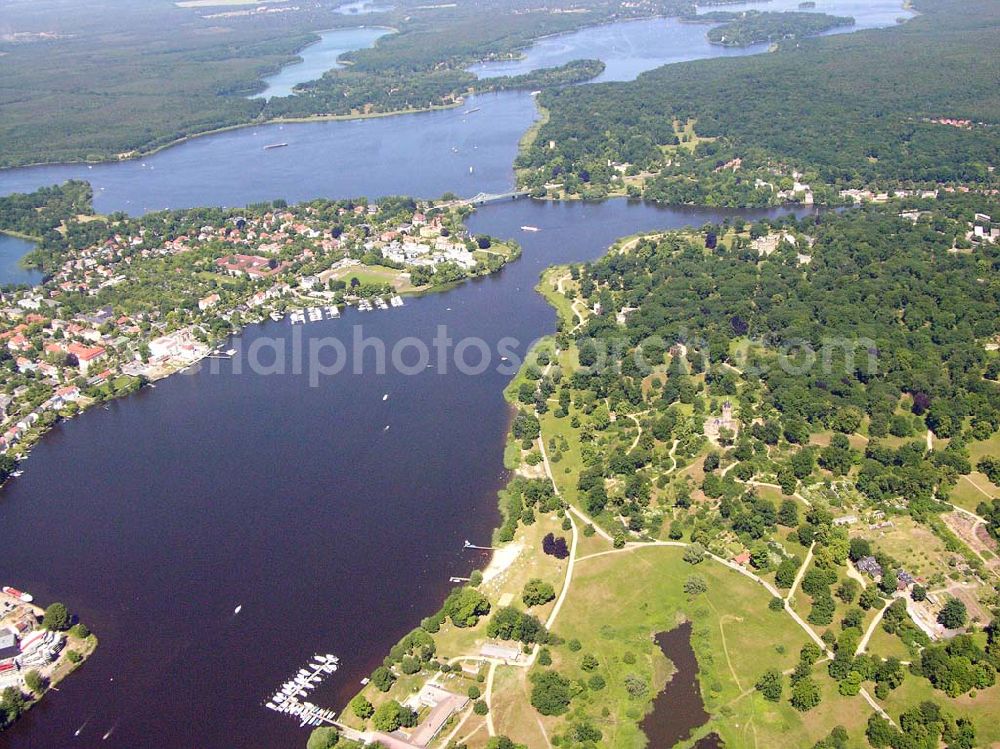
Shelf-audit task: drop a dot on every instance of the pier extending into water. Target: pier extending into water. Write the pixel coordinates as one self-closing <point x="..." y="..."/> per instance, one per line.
<point x="286" y="698"/>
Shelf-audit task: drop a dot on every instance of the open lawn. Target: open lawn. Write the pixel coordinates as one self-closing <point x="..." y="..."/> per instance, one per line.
<point x="505" y="588"/>
<point x="373" y="274"/>
<point x="885" y="645"/>
<point x="735" y="638"/>
<point x="982" y="709"/>
<point x="548" y="287"/>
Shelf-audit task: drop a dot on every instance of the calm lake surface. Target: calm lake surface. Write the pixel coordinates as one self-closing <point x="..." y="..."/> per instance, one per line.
<point x="319" y="57"/>
<point x="628" y="48"/>
<point x="423" y="154"/>
<point x="154" y="518"/>
<point x="633" y="47"/>
<point x="12" y="249"/>
<point x="678" y="709"/>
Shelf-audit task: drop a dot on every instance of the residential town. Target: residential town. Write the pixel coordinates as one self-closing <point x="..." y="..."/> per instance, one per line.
<point x="142" y="298"/>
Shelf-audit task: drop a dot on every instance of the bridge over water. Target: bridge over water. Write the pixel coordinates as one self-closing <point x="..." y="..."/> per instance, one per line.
<point x="484" y="197"/>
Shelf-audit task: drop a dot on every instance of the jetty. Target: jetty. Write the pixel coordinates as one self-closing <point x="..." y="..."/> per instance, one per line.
<point x="289" y="699"/>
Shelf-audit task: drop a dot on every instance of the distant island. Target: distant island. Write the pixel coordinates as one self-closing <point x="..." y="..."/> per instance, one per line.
<point x="756" y="27"/>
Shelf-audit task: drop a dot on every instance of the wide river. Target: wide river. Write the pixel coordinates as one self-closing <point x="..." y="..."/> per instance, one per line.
<point x="155" y="517"/>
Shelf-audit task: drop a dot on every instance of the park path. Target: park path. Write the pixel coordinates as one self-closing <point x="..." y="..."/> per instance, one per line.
<point x="796" y="495"/>
<point x="871" y="629"/>
<point x="801" y="573"/>
<point x="490" y="728"/>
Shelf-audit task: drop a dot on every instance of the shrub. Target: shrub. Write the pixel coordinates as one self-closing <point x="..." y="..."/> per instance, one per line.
<point x="770" y="684"/>
<point x="537" y="592"/>
<point x="383" y="679"/>
<point x="695" y="585"/>
<point x="323" y="738"/>
<point x="391" y="715"/>
<point x="361" y="707"/>
<point x="465" y="605"/>
<point x="550" y="693"/>
<point x="56" y="618"/>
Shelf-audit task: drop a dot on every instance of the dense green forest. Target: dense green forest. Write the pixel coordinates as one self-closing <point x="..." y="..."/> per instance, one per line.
<point x="98" y="79"/>
<point x="753" y="27"/>
<point x="847" y="111"/>
<point x="348" y="91"/>
<point x="882" y="320"/>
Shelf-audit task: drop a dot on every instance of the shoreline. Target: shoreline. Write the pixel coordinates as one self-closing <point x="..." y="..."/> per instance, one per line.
<point x="228" y="128"/>
<point x="213" y="346"/>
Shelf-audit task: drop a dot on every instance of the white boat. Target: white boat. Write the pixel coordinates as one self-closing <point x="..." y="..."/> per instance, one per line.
<point x="19" y="594"/>
<point x="381" y="303"/>
<point x="238" y="609"/>
<point x="385" y="397"/>
<point x="529" y="228"/>
<point x="276" y="316"/>
<point x="396" y="301"/>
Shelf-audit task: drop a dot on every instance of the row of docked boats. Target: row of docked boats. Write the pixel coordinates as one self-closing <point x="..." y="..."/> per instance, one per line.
<point x="312" y="314"/>
<point x="287" y="698"/>
<point x="367" y="305"/>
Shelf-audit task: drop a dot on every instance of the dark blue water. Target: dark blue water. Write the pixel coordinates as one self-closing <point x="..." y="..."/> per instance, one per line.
<point x="423" y="154"/>
<point x="12" y="249"/>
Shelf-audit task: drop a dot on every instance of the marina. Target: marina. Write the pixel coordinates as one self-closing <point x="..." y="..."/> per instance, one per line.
<point x="290" y="700"/>
<point x="309" y="314"/>
<point x="332" y="312"/>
